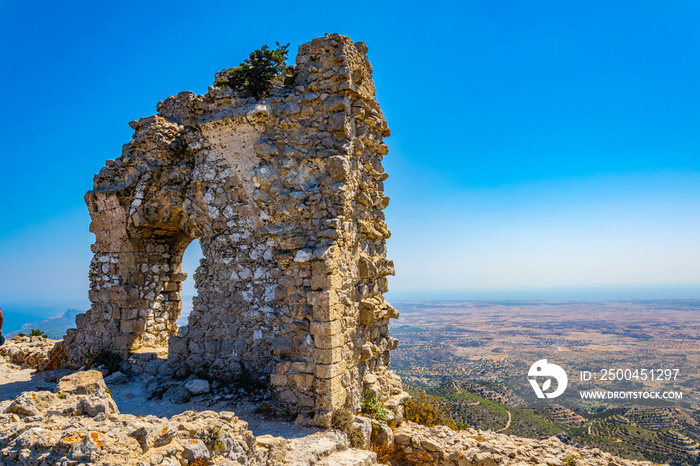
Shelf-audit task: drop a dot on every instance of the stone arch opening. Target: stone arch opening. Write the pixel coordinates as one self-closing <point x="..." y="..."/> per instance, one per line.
<point x="149" y="319"/>
<point x="189" y="264"/>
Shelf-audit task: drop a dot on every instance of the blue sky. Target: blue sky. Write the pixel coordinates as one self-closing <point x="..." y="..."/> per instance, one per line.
<point x="539" y="149"/>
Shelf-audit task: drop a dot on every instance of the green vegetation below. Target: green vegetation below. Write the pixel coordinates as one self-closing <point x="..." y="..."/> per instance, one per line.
<point x="609" y="430"/>
<point x="484" y="414"/>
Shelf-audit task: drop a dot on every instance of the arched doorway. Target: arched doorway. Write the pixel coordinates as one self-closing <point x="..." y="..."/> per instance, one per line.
<point x="190" y="261"/>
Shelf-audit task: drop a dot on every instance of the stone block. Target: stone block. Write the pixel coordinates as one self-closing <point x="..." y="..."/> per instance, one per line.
<point x="328" y="356"/>
<point x="301" y="367"/>
<point x="326" y="312"/>
<point x="330" y="394"/>
<point x="278" y="380"/>
<point x="304" y="381"/>
<point x="329" y="371"/>
<point x="329" y="341"/>
<point x="320" y="277"/>
<point x="118" y="293"/>
<point x="198" y="386"/>
<point x="283" y="368"/>
<point x="125" y="326"/>
<point x="333" y="327"/>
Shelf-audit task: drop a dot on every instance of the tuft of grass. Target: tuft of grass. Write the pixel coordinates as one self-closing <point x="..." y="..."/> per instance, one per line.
<point x="373" y="407"/>
<point x="342" y="419"/>
<point x="199" y="462"/>
<point x="356" y="437"/>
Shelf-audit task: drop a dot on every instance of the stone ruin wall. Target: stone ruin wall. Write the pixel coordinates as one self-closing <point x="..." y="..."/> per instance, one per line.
<point x="285" y="195"/>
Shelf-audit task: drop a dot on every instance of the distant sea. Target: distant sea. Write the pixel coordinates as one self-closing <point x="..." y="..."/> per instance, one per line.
<point x="54" y="319"/>
<point x="15" y="316"/>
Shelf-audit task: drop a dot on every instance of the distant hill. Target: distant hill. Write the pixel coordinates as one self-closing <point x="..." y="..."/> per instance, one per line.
<point x="55" y="328"/>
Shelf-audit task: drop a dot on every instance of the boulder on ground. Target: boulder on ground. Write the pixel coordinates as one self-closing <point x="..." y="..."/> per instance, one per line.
<point x="116" y="378"/>
<point x="82" y="383"/>
<point x="32" y="403"/>
<point x="198" y="386"/>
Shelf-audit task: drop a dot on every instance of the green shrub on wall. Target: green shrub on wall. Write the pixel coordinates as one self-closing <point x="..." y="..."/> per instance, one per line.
<point x="258" y="73"/>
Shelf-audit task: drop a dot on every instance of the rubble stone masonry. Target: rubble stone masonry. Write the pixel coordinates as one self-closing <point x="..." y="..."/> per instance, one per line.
<point x="285" y="195"/>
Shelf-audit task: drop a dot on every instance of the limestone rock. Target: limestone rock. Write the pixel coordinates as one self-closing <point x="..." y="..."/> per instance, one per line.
<point x="88" y="429"/>
<point x="272" y="450"/>
<point x="195" y="449"/>
<point x="440" y="445"/>
<point x="116" y="378"/>
<point x="198" y="386"/>
<point x="82" y="383"/>
<point x="32" y="403"/>
<point x="177" y="394"/>
<point x="28" y="352"/>
<point x="365" y="425"/>
<point x="96" y="404"/>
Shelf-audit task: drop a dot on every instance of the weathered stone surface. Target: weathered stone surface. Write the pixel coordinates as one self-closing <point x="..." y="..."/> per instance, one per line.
<point x="272" y="449"/>
<point x="82" y="383"/>
<point x="96" y="404"/>
<point x="116" y="378"/>
<point x="177" y="395"/>
<point x="420" y="445"/>
<point x="285" y="195"/>
<point x="32" y="403"/>
<point x="28" y="352"/>
<point x="88" y="429"/>
<point x="196" y="449"/>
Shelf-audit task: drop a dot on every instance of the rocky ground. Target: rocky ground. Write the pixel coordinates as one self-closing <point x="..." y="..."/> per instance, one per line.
<point x="71" y="418"/>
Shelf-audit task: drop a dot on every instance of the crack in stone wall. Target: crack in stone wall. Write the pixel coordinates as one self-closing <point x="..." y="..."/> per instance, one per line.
<point x="285" y="195"/>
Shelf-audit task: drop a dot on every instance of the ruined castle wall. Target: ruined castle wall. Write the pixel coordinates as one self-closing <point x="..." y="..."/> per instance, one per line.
<point x="285" y="195"/>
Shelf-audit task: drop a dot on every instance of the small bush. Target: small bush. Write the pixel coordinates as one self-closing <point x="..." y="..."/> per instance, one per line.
<point x="61" y="396"/>
<point x="341" y="419"/>
<point x="258" y="73"/>
<point x="376" y="429"/>
<point x="356" y="437"/>
<point x="428" y="411"/>
<point x="373" y="407"/>
<point x="571" y="460"/>
<point x="199" y="462"/>
<point x="37" y="333"/>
